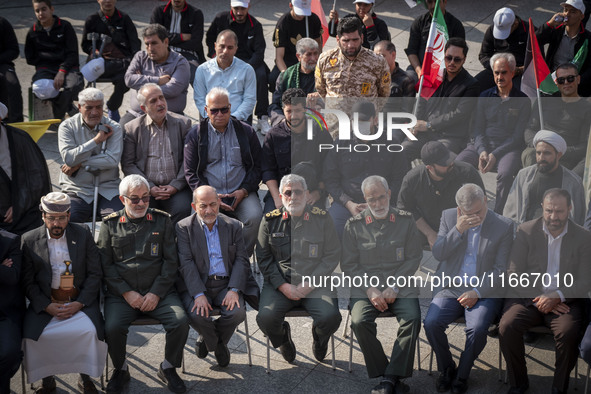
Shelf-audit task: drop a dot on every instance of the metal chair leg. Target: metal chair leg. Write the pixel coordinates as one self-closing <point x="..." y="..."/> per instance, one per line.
<point x="24" y="387"/>
<point x="333" y="355"/>
<point x="418" y="354"/>
<point x="346" y="325"/>
<point x="587" y="379"/>
<point x="268" y="357"/>
<point x="500" y="364"/>
<point x="247" y="341"/>
<point x="351" y="352"/>
<point x="183" y="361"/>
<point x="431" y="363"/>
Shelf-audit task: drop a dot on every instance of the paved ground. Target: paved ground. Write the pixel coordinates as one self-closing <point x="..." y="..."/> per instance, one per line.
<point x="145" y="344"/>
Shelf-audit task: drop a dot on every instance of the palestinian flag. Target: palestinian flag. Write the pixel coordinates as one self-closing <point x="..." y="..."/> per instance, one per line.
<point x="536" y="72"/>
<point x="550" y="87"/>
<point x="433" y="64"/>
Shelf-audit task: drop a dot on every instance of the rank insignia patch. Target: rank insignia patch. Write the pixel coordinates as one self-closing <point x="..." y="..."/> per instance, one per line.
<point x="153" y="249"/>
<point x="313" y="250"/>
<point x="400" y="254"/>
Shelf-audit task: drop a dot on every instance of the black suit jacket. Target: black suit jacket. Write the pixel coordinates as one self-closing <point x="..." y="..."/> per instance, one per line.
<point x="86" y="268"/>
<point x="194" y="258"/>
<point x="12" y="300"/>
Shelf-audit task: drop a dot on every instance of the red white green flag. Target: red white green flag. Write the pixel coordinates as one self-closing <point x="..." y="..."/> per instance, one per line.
<point x="433" y="64"/>
<point x="535" y="70"/>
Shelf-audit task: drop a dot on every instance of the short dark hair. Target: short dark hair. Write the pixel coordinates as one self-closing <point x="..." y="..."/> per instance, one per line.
<point x="48" y="2"/>
<point x="457" y="42"/>
<point x="155" y="29"/>
<point x="557" y="192"/>
<point x="349" y="24"/>
<point x="387" y="45"/>
<point x="291" y="96"/>
<point x="568" y="66"/>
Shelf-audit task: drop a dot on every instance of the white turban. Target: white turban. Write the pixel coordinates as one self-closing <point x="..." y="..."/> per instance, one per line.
<point x="551" y="138"/>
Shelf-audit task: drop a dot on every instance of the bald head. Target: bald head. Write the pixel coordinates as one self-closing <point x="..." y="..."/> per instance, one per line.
<point x="206" y="204"/>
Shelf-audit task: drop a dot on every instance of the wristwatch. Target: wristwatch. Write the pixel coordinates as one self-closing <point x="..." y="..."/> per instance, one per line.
<point x="428" y="125"/>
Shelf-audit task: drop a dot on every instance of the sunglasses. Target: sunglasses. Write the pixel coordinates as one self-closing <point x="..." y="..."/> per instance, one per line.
<point x="569" y="79"/>
<point x="136" y="200"/>
<point x="296" y="192"/>
<point x="214" y="111"/>
<point x="455" y="59"/>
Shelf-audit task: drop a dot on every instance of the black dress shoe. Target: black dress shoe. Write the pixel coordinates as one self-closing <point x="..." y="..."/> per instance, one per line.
<point x="287" y="348"/>
<point x="385" y="387"/>
<point x="318" y="349"/>
<point x="519" y="390"/>
<point x="118" y="381"/>
<point x="222" y="354"/>
<point x="556" y="391"/>
<point x="172" y="379"/>
<point x="445" y="379"/>
<point x="200" y="348"/>
<point x="47" y="386"/>
<point x="86" y="385"/>
<point x="459" y="386"/>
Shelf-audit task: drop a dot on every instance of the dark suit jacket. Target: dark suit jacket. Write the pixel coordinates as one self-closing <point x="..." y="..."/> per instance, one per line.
<point x="137" y="141"/>
<point x="530" y="255"/>
<point x="86" y="268"/>
<point x="194" y="257"/>
<point x="12" y="299"/>
<point x="496" y="237"/>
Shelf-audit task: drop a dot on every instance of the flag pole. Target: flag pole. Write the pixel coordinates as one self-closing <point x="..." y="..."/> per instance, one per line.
<point x="416" y="107"/>
<point x="334" y="6"/>
<point x="307" y="28"/>
<point x="540" y="109"/>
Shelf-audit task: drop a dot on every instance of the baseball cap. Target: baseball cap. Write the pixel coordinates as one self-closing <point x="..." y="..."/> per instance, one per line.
<point x="302" y="7"/>
<point x="434" y="152"/>
<point x="364" y="1"/>
<point x="243" y="3"/>
<point x="364" y="109"/>
<point x="578" y="4"/>
<point x="503" y="21"/>
<point x="93" y="69"/>
<point x="44" y="90"/>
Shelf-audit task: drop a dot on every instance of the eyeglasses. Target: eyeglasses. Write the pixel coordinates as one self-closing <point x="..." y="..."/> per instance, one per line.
<point x="569" y="79"/>
<point x="136" y="200"/>
<point x="56" y="218"/>
<point x="455" y="59"/>
<point x="214" y="111"/>
<point x="297" y="192"/>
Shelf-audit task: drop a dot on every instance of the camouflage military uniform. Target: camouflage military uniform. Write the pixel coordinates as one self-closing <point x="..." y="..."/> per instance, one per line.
<point x="368" y="75"/>
<point x="140" y="255"/>
<point x="287" y="249"/>
<point x="382" y="248"/>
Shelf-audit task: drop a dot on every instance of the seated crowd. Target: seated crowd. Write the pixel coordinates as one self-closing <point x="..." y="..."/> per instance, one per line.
<point x="179" y="230"/>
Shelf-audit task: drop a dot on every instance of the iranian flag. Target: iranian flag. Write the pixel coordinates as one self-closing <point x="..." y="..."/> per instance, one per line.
<point x="319" y="11"/>
<point x="433" y="65"/>
<point x="535" y="70"/>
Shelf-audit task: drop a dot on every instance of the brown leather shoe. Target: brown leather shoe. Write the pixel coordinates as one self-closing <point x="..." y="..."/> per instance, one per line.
<point x="47" y="386"/>
<point x="86" y="385"/>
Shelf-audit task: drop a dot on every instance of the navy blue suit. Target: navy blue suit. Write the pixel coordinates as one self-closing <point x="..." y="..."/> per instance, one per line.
<point x="496" y="238"/>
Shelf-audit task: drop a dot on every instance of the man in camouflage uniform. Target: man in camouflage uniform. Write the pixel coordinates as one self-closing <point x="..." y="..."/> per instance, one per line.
<point x="140" y="263"/>
<point x="382" y="243"/>
<point x="297" y="241"/>
<point x="350" y="70"/>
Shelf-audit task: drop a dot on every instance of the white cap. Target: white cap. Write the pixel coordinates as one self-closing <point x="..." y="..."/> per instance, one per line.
<point x="302" y="7"/>
<point x="365" y="1"/>
<point x="243" y="3"/>
<point x="43" y="89"/>
<point x="503" y="21"/>
<point x="578" y="4"/>
<point x="3" y="111"/>
<point x="93" y="69"/>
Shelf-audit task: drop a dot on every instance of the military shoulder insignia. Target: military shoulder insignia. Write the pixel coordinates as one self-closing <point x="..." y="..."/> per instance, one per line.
<point x="306" y="216"/>
<point x="285" y="215"/>
<point x="149" y="217"/>
<point x="154" y="210"/>
<point x="122" y="219"/>
<point x="273" y="213"/>
<point x="386" y="79"/>
<point x="368" y="219"/>
<point x="111" y="216"/>
<point x="318" y="211"/>
<point x="392" y="218"/>
<point x="402" y="212"/>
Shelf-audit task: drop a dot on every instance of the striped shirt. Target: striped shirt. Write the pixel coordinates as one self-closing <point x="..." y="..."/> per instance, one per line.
<point x="161" y="168"/>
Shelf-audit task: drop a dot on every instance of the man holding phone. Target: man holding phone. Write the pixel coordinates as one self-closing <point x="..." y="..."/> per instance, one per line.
<point x="90" y="145"/>
<point x="225" y="153"/>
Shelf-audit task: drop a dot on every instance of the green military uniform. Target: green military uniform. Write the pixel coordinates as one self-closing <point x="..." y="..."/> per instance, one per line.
<point x="382" y="248"/>
<point x="140" y="255"/>
<point x="289" y="248"/>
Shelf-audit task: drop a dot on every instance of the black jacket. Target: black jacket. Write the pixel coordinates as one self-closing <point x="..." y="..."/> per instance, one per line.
<point x="371" y="35"/>
<point x="196" y="147"/>
<point x="8" y="43"/>
<point x="191" y="23"/>
<point x="251" y="41"/>
<point x="121" y="30"/>
<point x="516" y="44"/>
<point x="552" y="36"/>
<point x="56" y="49"/>
<point x="12" y="302"/>
<point x="419" y="33"/>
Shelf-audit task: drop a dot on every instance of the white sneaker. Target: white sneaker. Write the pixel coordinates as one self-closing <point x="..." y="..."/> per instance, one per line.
<point x="264" y="125"/>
